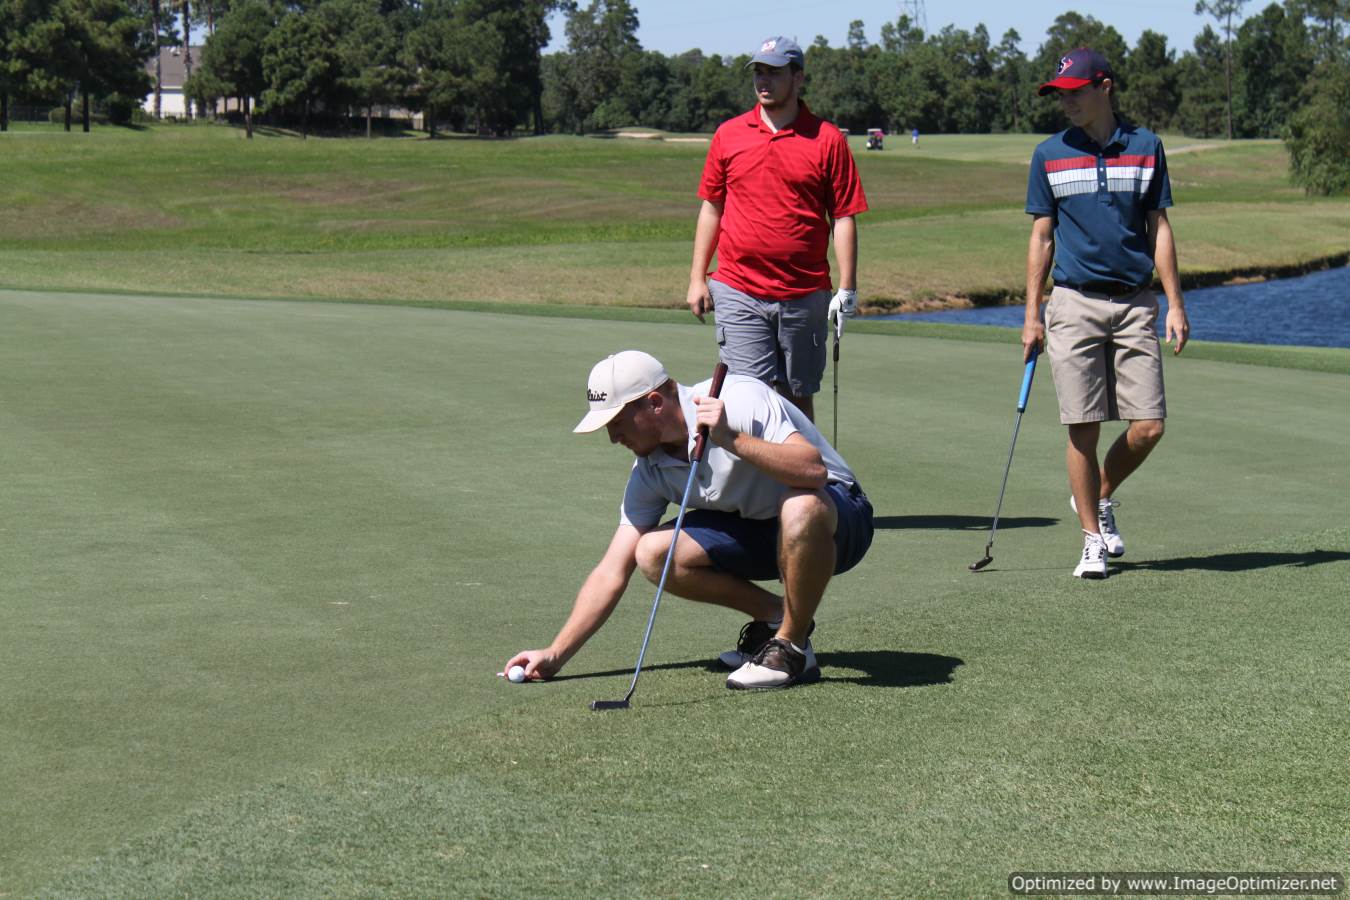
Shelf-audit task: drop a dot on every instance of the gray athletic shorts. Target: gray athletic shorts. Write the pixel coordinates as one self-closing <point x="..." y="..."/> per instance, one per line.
<point x="776" y="341"/>
<point x="1105" y="356"/>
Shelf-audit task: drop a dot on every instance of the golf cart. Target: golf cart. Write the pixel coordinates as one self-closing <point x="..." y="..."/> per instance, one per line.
<point x="875" y="137"/>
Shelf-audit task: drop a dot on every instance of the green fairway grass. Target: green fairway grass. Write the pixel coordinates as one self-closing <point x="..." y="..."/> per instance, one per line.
<point x="560" y="220"/>
<point x="1007" y="148"/>
<point x="263" y="561"/>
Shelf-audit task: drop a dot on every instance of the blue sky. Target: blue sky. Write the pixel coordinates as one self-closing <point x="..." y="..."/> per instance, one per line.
<point x="729" y="27"/>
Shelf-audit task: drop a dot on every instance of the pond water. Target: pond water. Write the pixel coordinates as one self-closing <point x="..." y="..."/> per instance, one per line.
<point x="1311" y="310"/>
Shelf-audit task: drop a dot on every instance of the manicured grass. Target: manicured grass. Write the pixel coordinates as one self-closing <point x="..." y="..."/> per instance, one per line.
<point x="1014" y="149"/>
<point x="262" y="561"/>
<point x="558" y="220"/>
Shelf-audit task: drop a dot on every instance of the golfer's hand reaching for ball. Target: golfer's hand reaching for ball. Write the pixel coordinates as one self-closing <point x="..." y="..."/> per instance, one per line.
<point x="538" y="664"/>
<point x="699" y="299"/>
<point x="843" y="306"/>
<point x="712" y="414"/>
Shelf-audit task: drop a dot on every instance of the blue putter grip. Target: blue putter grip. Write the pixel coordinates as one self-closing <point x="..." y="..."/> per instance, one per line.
<point x="1026" y="381"/>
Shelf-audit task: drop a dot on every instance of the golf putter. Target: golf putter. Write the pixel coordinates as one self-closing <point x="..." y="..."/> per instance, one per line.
<point x="1021" y="408"/>
<point x="719" y="374"/>
<point x="835" y="442"/>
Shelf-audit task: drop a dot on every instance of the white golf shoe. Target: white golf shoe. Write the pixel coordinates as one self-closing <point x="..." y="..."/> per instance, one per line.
<point x="1106" y="524"/>
<point x="778" y="664"/>
<point x="1093" y="563"/>
<point x="754" y="635"/>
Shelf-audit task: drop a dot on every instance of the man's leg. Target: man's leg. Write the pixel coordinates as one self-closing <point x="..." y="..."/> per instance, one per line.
<point x="1084" y="474"/>
<point x="693" y="577"/>
<point x="1085" y="484"/>
<point x="1127" y="453"/>
<point x="807" y="521"/>
<point x="803" y="338"/>
<point x="1078" y="330"/>
<point x="1140" y="396"/>
<point x="747" y="338"/>
<point x="806" y="557"/>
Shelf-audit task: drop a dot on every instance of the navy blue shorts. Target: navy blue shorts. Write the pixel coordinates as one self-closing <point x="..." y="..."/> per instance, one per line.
<point x="748" y="548"/>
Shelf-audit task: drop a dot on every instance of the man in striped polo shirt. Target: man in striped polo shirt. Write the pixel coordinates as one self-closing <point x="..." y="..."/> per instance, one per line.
<point x="1099" y="193"/>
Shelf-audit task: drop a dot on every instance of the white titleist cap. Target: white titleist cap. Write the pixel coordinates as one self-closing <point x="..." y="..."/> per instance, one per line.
<point x="617" y="380"/>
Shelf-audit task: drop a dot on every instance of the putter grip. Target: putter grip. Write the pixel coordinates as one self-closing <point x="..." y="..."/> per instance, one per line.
<point x="1026" y="381"/>
<point x="719" y="375"/>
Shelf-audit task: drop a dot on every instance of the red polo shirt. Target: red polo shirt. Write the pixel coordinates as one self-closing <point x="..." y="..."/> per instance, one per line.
<point x="780" y="192"/>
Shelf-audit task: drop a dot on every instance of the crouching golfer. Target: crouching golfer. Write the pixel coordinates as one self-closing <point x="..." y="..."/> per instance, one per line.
<point x="772" y="500"/>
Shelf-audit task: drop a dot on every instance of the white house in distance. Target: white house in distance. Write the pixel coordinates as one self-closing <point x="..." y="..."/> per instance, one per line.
<point x="172" y="75"/>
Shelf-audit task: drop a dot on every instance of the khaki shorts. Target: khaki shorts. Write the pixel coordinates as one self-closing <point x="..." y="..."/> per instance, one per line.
<point x="1105" y="356"/>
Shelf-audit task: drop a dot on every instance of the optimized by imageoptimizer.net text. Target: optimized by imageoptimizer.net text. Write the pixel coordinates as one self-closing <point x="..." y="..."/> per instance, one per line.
<point x="1177" y="883"/>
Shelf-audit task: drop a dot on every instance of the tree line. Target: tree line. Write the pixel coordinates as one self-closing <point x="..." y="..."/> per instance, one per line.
<point x="479" y="65"/>
<point x="61" y="50"/>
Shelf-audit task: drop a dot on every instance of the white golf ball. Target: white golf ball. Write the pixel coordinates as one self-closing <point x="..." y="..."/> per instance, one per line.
<point x="516" y="674"/>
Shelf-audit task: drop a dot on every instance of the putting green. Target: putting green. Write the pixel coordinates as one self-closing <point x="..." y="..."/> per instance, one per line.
<point x="263" y="561"/>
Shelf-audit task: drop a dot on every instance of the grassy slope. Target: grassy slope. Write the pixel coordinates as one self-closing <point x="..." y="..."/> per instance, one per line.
<point x="551" y="220"/>
<point x="264" y="559"/>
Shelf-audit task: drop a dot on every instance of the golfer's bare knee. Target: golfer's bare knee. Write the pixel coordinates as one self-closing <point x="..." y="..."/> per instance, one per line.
<point x="1146" y="432"/>
<point x="654" y="546"/>
<point x="806" y="516"/>
<point x="651" y="553"/>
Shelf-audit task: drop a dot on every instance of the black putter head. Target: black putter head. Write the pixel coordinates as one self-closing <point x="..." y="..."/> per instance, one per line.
<point x="985" y="560"/>
<point x="598" y="705"/>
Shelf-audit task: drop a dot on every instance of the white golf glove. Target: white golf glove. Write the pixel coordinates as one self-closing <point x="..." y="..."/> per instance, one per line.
<point x="843" y="306"/>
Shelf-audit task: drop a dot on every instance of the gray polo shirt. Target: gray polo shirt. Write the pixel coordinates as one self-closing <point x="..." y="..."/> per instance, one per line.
<point x="725" y="481"/>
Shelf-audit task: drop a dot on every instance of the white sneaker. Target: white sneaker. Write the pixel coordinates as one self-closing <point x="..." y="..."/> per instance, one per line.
<point x="754" y="635"/>
<point x="778" y="664"/>
<point x="1106" y="524"/>
<point x="1093" y="563"/>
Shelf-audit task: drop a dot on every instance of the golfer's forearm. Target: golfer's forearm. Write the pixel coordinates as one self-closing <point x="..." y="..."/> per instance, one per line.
<point x="705" y="239"/>
<point x="1040" y="256"/>
<point x="1165" y="259"/>
<point x="846" y="252"/>
<point x="796" y="465"/>
<point x="595" y="601"/>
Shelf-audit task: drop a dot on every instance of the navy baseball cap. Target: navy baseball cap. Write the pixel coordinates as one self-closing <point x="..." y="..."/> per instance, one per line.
<point x="1078" y="68"/>
<point x="779" y="51"/>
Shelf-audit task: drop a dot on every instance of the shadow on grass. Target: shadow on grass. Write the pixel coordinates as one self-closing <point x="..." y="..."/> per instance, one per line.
<point x="271" y="131"/>
<point x="877" y="668"/>
<point x="889" y="668"/>
<point x="962" y="523"/>
<point x="705" y="665"/>
<point x="1236" y="562"/>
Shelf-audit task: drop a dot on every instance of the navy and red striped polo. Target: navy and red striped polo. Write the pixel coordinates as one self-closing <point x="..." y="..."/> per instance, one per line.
<point x="1098" y="198"/>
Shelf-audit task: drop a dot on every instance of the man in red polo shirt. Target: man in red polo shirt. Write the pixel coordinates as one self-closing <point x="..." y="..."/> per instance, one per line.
<point x="777" y="183"/>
